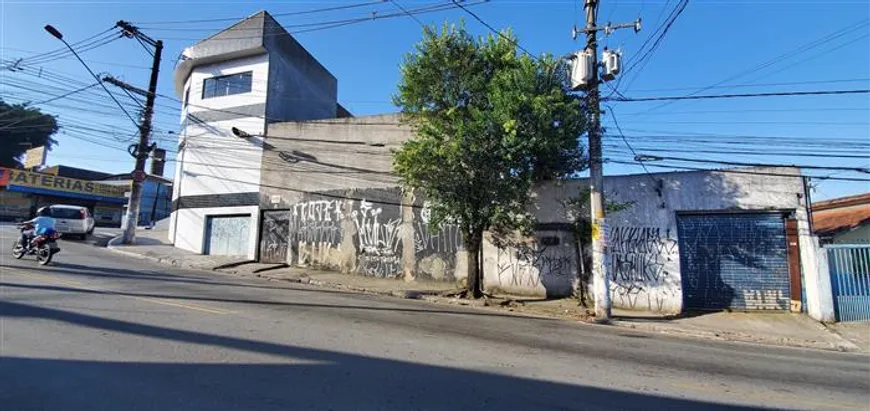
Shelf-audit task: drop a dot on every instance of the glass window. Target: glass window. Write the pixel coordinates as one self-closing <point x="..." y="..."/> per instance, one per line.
<point x="66" y="213"/>
<point x="227" y="85"/>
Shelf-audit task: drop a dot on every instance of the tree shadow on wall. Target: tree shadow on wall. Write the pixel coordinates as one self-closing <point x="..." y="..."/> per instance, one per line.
<point x="291" y="377"/>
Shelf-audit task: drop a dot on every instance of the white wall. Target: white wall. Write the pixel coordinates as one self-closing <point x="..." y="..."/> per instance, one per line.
<point x="192" y="227"/>
<point x="214" y="161"/>
<point x="646" y="232"/>
<point x="258" y="65"/>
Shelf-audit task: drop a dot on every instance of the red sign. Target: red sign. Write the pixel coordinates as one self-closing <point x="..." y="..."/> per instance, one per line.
<point x="138" y="176"/>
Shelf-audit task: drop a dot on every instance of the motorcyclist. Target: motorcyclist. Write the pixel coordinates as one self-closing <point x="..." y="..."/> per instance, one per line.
<point x="43" y="223"/>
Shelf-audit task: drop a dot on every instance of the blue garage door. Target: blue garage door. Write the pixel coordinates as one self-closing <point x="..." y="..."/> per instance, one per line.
<point x="734" y="261"/>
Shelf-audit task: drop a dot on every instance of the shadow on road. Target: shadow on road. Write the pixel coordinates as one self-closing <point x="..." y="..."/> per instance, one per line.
<point x="343" y="307"/>
<point x="321" y="379"/>
<point x="151" y="275"/>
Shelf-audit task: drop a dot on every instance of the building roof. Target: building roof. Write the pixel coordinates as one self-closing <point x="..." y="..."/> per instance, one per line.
<point x="841" y="202"/>
<point x="841" y="214"/>
<point x="254" y="35"/>
<point x="125" y="177"/>
<point x="75" y="172"/>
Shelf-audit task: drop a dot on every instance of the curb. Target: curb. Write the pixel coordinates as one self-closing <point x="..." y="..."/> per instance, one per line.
<point x="114" y="246"/>
<point x="844" y="345"/>
<point x="844" y="342"/>
<point x="115" y="241"/>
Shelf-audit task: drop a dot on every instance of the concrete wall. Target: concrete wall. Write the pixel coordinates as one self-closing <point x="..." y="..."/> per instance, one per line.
<point x="345" y="209"/>
<point x="328" y="155"/>
<point x="644" y="260"/>
<point x="300" y="88"/>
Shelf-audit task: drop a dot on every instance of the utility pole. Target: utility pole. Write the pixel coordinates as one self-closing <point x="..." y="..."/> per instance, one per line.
<point x="600" y="279"/>
<point x="590" y="80"/>
<point x="141" y="150"/>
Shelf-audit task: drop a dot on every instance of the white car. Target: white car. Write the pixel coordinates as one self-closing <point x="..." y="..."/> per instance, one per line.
<point x="71" y="220"/>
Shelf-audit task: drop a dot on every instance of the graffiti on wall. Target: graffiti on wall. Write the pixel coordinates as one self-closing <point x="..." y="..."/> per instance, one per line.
<point x="378" y="241"/>
<point x="275" y="237"/>
<point x="315" y="229"/>
<point x="530" y="266"/>
<point x="638" y="258"/>
<point x="435" y="244"/>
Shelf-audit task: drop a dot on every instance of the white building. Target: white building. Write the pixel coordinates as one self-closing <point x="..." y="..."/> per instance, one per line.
<point x="243" y="77"/>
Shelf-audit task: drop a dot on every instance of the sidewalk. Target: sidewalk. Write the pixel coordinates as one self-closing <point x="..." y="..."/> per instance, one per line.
<point x="781" y="329"/>
<point x="153" y="245"/>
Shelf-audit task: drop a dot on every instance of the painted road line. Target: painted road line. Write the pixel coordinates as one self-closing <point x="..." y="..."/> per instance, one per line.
<point x="162" y="301"/>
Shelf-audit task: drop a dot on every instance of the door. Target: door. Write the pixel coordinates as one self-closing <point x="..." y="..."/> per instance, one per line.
<point x="276" y="237"/>
<point x="734" y="261"/>
<point x="227" y="235"/>
<point x="849" y="267"/>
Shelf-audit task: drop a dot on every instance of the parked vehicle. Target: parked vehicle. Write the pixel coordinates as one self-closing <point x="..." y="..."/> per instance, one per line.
<point x="43" y="246"/>
<point x="72" y="221"/>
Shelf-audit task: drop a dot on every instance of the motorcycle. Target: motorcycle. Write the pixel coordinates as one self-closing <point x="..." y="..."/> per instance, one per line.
<point x="43" y="246"/>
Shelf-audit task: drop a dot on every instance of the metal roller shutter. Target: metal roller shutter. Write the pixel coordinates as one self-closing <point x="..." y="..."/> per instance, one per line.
<point x="735" y="261"/>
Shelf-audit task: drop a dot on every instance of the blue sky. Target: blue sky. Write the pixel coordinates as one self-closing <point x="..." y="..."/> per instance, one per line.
<point x="758" y="46"/>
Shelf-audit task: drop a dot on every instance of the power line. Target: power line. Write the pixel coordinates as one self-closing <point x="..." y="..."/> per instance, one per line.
<point x="736" y="163"/>
<point x="734" y="171"/>
<point x="63" y="50"/>
<point x="292" y="13"/>
<point x="751" y="110"/>
<point x="337" y="23"/>
<point x="790" y="83"/>
<point x="399" y="6"/>
<point x="647" y="56"/>
<point x="744" y="152"/>
<point x="492" y="29"/>
<point x="762" y="122"/>
<point x="791" y="53"/>
<point x="627" y="144"/>
<point x="718" y="96"/>
<point x="83" y="48"/>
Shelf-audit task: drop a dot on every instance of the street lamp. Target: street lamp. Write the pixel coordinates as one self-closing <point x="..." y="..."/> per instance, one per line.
<point x="57" y="34"/>
<point x="53" y="31"/>
<point x="241" y="133"/>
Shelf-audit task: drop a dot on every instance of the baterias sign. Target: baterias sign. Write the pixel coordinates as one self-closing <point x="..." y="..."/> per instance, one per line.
<point x="47" y="184"/>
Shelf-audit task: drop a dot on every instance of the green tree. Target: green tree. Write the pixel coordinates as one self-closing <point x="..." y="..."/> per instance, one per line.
<point x="490" y="122"/>
<point x="23" y="127"/>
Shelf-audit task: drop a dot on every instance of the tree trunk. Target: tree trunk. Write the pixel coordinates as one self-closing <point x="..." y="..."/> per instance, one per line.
<point x="581" y="283"/>
<point x="474" y="283"/>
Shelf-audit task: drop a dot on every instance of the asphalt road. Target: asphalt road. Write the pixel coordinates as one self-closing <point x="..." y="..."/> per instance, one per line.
<point x="98" y="331"/>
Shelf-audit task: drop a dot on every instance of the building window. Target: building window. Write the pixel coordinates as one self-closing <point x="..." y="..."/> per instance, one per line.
<point x="227" y="85"/>
<point x="186" y="97"/>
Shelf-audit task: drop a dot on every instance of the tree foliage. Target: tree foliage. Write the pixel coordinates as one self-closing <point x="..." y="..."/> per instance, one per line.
<point x="23" y="127"/>
<point x="490" y="123"/>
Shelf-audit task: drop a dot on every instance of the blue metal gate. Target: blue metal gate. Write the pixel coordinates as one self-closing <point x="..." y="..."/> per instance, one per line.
<point x="849" y="266"/>
<point x="733" y="261"/>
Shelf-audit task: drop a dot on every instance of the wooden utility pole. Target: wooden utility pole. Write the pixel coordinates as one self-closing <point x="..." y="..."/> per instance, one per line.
<point x="141" y="150"/>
